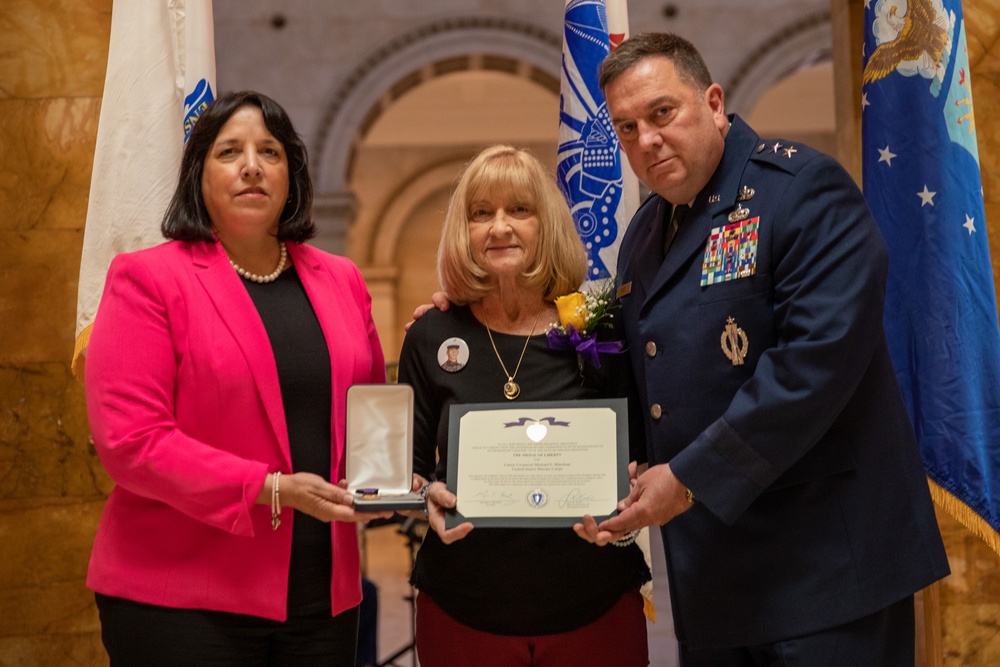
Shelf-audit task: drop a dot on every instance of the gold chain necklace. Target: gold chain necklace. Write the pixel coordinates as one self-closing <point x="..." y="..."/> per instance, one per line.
<point x="511" y="389"/>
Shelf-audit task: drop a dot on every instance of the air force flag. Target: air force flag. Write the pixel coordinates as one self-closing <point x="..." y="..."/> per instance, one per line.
<point x="598" y="184"/>
<point x="922" y="182"/>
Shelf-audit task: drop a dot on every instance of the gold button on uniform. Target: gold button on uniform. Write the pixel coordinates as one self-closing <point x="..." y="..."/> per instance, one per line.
<point x="655" y="411"/>
<point x="651" y="349"/>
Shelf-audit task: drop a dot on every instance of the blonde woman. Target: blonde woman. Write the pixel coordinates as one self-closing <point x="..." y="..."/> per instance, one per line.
<point x="505" y="596"/>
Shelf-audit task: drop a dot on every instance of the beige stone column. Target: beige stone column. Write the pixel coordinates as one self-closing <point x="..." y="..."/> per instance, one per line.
<point x="383" y="284"/>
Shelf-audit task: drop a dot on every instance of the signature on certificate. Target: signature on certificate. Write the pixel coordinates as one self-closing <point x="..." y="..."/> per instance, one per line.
<point x="494" y="496"/>
<point x="575" y="498"/>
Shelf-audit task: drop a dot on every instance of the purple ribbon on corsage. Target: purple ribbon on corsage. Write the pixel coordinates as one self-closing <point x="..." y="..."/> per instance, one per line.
<point x="588" y="347"/>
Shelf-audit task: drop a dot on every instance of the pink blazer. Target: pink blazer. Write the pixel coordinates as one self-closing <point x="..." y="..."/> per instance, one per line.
<point x="186" y="414"/>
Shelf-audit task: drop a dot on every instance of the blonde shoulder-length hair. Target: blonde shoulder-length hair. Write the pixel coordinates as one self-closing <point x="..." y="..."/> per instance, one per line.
<point x="559" y="262"/>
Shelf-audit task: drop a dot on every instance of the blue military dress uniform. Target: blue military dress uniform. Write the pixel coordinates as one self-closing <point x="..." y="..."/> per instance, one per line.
<point x="758" y="348"/>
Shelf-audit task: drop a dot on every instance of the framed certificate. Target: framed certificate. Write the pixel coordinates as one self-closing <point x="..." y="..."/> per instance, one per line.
<point x="537" y="464"/>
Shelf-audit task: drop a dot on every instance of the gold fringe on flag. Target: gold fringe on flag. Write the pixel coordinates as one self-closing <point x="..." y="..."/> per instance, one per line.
<point x="649" y="609"/>
<point x="79" y="355"/>
<point x="965" y="516"/>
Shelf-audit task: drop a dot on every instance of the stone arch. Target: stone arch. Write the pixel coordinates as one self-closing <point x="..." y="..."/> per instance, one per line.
<point x="797" y="44"/>
<point x="401" y="206"/>
<point x="512" y="47"/>
<point x="436" y="49"/>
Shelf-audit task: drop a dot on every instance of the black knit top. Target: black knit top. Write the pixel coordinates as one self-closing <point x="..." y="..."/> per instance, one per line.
<point x="303" y="362"/>
<point x="512" y="581"/>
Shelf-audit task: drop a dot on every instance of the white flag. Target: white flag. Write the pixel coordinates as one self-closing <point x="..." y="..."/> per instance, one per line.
<point x="161" y="75"/>
<point x="594" y="175"/>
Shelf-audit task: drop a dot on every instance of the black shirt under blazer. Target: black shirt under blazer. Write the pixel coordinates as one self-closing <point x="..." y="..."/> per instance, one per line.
<point x="812" y="506"/>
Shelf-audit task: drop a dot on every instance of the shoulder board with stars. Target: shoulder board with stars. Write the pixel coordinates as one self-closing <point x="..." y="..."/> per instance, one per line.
<point x="787" y="155"/>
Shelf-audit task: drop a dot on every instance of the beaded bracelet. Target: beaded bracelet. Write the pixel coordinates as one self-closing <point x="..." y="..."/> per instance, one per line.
<point x="627" y="538"/>
<point x="275" y="502"/>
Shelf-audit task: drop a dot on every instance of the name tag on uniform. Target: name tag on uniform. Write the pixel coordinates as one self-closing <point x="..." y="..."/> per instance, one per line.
<point x="624" y="290"/>
<point x="731" y="252"/>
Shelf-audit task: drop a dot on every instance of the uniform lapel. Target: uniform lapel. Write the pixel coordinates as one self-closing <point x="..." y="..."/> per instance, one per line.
<point x="648" y="250"/>
<point x="709" y="207"/>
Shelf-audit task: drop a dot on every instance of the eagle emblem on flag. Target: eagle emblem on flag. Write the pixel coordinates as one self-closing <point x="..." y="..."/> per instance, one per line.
<point x="918" y="42"/>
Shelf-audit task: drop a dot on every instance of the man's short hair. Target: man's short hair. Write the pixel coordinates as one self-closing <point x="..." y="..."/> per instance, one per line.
<point x="690" y="66"/>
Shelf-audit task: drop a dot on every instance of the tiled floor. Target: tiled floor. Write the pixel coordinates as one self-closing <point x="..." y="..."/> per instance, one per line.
<point x="388" y="565"/>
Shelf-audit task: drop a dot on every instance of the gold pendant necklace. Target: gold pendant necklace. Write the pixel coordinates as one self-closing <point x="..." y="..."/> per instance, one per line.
<point x="511" y="389"/>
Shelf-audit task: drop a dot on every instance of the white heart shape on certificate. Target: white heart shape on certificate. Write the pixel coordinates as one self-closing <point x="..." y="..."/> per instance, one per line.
<point x="537" y="431"/>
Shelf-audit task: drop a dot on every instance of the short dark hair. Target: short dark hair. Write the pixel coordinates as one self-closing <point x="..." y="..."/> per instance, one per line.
<point x="187" y="218"/>
<point x="690" y="66"/>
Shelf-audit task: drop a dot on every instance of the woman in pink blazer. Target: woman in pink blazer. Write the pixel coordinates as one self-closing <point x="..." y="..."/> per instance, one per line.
<point x="216" y="380"/>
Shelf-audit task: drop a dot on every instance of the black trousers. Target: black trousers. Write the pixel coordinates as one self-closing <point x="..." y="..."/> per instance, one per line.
<point x="142" y="635"/>
<point x="882" y="639"/>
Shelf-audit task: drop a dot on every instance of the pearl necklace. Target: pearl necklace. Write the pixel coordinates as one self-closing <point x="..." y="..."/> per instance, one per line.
<point x="269" y="278"/>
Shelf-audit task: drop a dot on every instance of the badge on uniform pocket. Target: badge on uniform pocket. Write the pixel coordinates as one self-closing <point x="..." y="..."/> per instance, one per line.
<point x="731" y="252"/>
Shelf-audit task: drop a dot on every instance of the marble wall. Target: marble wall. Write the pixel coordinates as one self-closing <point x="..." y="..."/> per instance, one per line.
<point x="982" y="19"/>
<point x="52" y="487"/>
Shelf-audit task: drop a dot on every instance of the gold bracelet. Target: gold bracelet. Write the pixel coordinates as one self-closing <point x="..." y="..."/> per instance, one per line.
<point x="275" y="502"/>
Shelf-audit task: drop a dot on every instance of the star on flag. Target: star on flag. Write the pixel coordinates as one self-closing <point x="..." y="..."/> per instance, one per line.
<point x="926" y="197"/>
<point x="969" y="224"/>
<point x="885" y="155"/>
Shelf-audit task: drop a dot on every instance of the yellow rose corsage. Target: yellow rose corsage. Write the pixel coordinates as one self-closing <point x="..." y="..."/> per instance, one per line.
<point x="580" y="314"/>
<point x="572" y="310"/>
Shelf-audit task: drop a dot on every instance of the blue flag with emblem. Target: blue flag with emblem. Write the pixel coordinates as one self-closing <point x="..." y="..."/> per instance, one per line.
<point x="922" y="182"/>
<point x="601" y="189"/>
